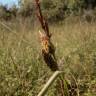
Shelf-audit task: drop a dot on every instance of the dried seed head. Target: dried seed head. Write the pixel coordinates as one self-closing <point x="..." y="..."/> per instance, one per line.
<point x="43" y="36"/>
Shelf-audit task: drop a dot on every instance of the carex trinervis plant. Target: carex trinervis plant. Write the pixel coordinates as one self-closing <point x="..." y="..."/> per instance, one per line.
<point x="48" y="53"/>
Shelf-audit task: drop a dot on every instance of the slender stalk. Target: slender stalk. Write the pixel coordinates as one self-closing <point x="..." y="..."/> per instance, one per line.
<point x="49" y="83"/>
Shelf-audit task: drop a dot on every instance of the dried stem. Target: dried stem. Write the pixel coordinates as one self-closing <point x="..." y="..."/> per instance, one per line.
<point x="49" y="83"/>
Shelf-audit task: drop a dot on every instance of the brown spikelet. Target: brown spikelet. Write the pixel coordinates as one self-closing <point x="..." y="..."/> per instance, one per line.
<point x="48" y="49"/>
<point x="48" y="52"/>
<point x="50" y="61"/>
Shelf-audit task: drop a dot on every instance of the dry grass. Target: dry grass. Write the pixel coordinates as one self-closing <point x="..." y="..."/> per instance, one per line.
<point x="22" y="71"/>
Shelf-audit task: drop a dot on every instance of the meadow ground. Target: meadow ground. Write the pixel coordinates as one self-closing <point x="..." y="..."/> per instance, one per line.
<point x="22" y="70"/>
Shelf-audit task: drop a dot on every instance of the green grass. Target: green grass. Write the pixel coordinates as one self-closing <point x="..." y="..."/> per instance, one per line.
<point x="24" y="73"/>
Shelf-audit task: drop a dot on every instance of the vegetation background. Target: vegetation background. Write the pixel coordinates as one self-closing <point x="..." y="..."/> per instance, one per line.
<point x="73" y="25"/>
